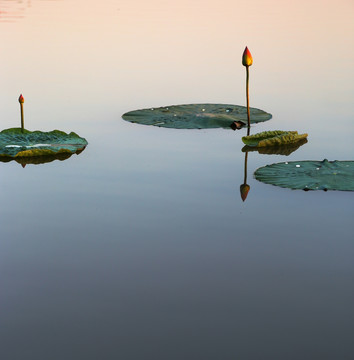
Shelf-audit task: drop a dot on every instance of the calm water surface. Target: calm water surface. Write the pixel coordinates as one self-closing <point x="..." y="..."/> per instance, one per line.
<point x="141" y="247"/>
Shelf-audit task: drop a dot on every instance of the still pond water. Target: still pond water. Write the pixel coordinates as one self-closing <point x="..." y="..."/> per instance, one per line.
<point x="140" y="247"/>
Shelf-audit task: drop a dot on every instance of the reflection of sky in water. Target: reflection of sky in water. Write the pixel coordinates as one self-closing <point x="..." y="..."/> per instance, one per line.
<point x="143" y="238"/>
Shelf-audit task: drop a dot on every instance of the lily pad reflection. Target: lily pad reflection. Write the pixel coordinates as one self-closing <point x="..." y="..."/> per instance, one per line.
<point x="196" y="116"/>
<point x="29" y="144"/>
<point x="309" y="175"/>
<point x="276" y="150"/>
<point x="38" y="160"/>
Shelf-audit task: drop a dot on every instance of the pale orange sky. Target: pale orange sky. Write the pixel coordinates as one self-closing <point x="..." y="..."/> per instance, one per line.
<point x="185" y="50"/>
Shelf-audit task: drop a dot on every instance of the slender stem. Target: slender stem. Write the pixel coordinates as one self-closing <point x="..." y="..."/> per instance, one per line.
<point x="248" y="98"/>
<point x="22" y="120"/>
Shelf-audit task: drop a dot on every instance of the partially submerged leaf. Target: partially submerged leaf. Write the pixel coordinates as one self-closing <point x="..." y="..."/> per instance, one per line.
<point x="273" y="138"/>
<point x="309" y="175"/>
<point x="196" y="116"/>
<point x="14" y="143"/>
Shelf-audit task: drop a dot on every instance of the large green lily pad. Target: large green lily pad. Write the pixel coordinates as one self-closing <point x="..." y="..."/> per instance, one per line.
<point x="309" y="175"/>
<point x="15" y="143"/>
<point x="196" y="116"/>
<point x="273" y="138"/>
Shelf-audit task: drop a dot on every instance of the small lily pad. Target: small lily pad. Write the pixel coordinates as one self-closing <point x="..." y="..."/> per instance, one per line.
<point x="309" y="175"/>
<point x="196" y="116"/>
<point x="15" y="143"/>
<point x="273" y="138"/>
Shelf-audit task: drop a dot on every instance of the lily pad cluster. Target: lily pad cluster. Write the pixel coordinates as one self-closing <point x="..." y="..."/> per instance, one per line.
<point x="17" y="143"/>
<point x="309" y="175"/>
<point x="196" y="116"/>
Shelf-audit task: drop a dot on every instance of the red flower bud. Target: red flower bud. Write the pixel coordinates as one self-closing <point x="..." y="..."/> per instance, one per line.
<point x="21" y="99"/>
<point x="247" y="58"/>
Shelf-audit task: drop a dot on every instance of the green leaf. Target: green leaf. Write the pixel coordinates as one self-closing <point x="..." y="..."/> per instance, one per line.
<point x="309" y="175"/>
<point x="196" y="116"/>
<point x="15" y="143"/>
<point x="273" y="138"/>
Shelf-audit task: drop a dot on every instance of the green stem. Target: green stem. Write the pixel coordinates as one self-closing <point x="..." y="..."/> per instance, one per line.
<point x="22" y="120"/>
<point x="248" y="97"/>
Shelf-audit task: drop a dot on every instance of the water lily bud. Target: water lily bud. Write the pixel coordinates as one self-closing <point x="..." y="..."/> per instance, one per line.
<point x="247" y="58"/>
<point x="244" y="189"/>
<point x="21" y="99"/>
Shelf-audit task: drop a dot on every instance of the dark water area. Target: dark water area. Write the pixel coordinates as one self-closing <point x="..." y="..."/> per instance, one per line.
<point x="141" y="247"/>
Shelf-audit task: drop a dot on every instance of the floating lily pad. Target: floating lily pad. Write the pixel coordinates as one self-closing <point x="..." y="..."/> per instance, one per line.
<point x="276" y="150"/>
<point x="273" y="138"/>
<point x="15" y="143"/>
<point x="196" y="116"/>
<point x="309" y="175"/>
